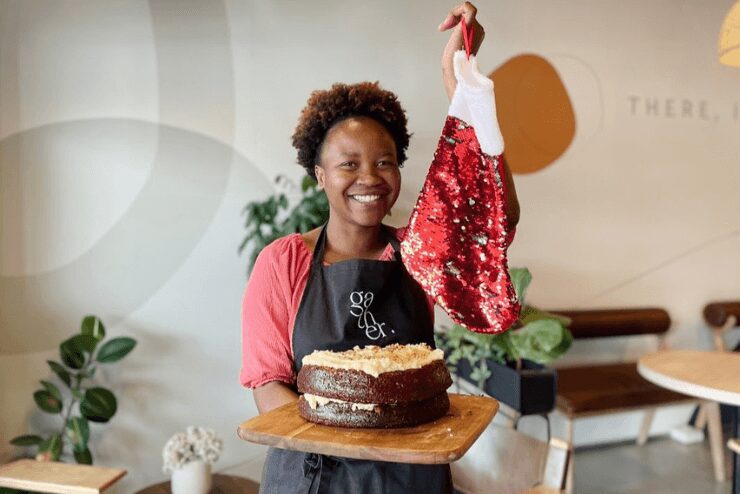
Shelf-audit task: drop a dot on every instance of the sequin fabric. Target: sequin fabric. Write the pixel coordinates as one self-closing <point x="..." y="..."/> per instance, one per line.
<point x="456" y="242"/>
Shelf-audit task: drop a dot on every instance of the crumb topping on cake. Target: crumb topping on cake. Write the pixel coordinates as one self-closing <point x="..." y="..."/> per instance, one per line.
<point x="375" y="360"/>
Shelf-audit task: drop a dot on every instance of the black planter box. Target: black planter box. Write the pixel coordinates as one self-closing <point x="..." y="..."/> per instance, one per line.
<point x="530" y="390"/>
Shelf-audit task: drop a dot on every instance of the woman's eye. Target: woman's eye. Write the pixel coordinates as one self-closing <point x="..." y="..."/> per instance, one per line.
<point x="386" y="163"/>
<point x="347" y="164"/>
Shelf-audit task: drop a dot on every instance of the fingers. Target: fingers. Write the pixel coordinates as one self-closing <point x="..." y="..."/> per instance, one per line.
<point x="466" y="9"/>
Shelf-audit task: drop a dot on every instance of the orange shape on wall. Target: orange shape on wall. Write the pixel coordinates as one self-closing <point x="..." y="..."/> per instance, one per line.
<point x="534" y="111"/>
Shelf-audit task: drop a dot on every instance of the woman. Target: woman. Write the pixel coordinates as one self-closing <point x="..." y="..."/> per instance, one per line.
<point x="352" y="139"/>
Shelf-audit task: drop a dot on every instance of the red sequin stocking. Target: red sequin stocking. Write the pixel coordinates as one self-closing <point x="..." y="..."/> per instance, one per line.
<point x="456" y="242"/>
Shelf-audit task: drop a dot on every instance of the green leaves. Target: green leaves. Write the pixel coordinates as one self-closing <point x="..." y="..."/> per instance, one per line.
<point x="72" y="351"/>
<point x="61" y="372"/>
<point x="53" y="444"/>
<point x="47" y="402"/>
<point x="520" y="278"/>
<point x="27" y="440"/>
<point x="98" y="405"/>
<point x="52" y="390"/>
<point x="115" y="349"/>
<point x="83" y="457"/>
<point x="541" y="341"/>
<point x="92" y="326"/>
<point x="307" y="184"/>
<point x="78" y="432"/>
<point x="531" y="314"/>
<point x="480" y="374"/>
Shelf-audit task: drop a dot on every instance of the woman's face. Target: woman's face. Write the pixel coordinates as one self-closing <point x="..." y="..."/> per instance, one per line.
<point x="359" y="171"/>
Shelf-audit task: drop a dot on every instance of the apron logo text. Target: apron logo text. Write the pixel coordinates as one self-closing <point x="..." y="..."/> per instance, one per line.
<point x="360" y="308"/>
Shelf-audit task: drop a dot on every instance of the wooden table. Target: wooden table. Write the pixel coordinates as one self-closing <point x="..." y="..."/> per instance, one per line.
<point x="222" y="484"/>
<point x="714" y="376"/>
<point x="58" y="478"/>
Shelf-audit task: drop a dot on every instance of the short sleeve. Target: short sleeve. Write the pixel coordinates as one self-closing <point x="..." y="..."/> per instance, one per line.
<point x="266" y="350"/>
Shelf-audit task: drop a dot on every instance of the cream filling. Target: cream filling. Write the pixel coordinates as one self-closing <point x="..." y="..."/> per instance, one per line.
<point x="375" y="360"/>
<point x="315" y="401"/>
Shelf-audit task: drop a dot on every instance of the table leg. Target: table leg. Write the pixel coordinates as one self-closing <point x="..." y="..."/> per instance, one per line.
<point x="735" y="456"/>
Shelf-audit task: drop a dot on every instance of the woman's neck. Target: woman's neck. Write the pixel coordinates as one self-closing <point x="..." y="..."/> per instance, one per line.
<point x="347" y="241"/>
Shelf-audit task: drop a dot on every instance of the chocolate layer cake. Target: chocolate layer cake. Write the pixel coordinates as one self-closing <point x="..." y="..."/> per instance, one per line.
<point x="393" y="386"/>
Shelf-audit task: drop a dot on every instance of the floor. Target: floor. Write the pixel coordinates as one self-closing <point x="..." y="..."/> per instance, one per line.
<point x="662" y="466"/>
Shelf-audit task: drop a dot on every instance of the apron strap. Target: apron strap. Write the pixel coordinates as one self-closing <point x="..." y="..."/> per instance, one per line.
<point x="394" y="243"/>
<point x="318" y="252"/>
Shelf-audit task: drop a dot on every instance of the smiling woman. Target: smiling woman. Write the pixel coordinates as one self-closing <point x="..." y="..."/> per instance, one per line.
<point x="352" y="139"/>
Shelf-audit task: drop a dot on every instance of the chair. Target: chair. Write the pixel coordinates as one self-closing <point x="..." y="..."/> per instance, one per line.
<point x="721" y="318"/>
<point x="57" y="478"/>
<point x="734" y="445"/>
<point x="600" y="389"/>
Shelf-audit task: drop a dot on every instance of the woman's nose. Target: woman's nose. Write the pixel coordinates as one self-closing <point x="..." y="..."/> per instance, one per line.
<point x="369" y="175"/>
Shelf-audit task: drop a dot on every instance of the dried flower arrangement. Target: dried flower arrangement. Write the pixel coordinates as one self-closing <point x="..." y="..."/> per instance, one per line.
<point x="196" y="443"/>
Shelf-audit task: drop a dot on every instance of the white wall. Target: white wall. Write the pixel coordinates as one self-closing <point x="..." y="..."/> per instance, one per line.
<point x="132" y="133"/>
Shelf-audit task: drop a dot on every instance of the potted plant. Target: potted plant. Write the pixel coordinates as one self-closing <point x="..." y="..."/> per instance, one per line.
<point x="81" y="403"/>
<point x="278" y="216"/>
<point x="510" y="366"/>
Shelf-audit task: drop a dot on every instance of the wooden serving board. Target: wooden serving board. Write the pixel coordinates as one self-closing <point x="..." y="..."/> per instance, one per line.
<point x="442" y="441"/>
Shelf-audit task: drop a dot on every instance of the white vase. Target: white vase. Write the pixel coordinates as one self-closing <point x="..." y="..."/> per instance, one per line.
<point x="192" y="478"/>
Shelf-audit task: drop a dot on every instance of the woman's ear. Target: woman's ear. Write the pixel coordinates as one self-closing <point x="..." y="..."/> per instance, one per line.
<point x="319" y="176"/>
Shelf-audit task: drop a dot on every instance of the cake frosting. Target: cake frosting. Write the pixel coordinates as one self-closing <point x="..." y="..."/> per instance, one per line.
<point x="375" y="360"/>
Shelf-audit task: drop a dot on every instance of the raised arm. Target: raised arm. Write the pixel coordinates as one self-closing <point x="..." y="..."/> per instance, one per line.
<point x="452" y="22"/>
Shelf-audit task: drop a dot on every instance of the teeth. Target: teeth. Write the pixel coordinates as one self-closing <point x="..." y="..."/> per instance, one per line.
<point x="367" y="198"/>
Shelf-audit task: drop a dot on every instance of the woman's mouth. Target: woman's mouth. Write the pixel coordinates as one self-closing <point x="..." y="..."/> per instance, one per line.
<point x="366" y="198"/>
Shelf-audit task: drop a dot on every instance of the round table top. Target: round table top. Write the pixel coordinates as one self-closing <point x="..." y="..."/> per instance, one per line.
<point x="713" y="376"/>
<point x="222" y="484"/>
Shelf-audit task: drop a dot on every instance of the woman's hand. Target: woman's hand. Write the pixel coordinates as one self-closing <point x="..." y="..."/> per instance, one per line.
<point x="468" y="11"/>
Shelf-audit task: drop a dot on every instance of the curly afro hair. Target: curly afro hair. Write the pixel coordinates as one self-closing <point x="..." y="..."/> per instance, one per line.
<point x="327" y="107"/>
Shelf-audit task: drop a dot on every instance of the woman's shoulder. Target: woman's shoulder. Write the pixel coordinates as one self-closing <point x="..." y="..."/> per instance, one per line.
<point x="287" y="242"/>
<point x="284" y="253"/>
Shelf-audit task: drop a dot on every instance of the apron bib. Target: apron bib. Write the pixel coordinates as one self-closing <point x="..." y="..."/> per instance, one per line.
<point x="355" y="302"/>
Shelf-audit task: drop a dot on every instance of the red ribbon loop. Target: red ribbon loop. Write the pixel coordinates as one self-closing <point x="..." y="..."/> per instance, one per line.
<point x="467" y="37"/>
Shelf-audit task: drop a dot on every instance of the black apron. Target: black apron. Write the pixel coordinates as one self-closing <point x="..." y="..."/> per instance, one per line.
<point x="355" y="302"/>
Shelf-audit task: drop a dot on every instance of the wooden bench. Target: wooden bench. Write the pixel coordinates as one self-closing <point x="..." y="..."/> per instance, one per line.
<point x="57" y="478"/>
<point x="599" y="389"/>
